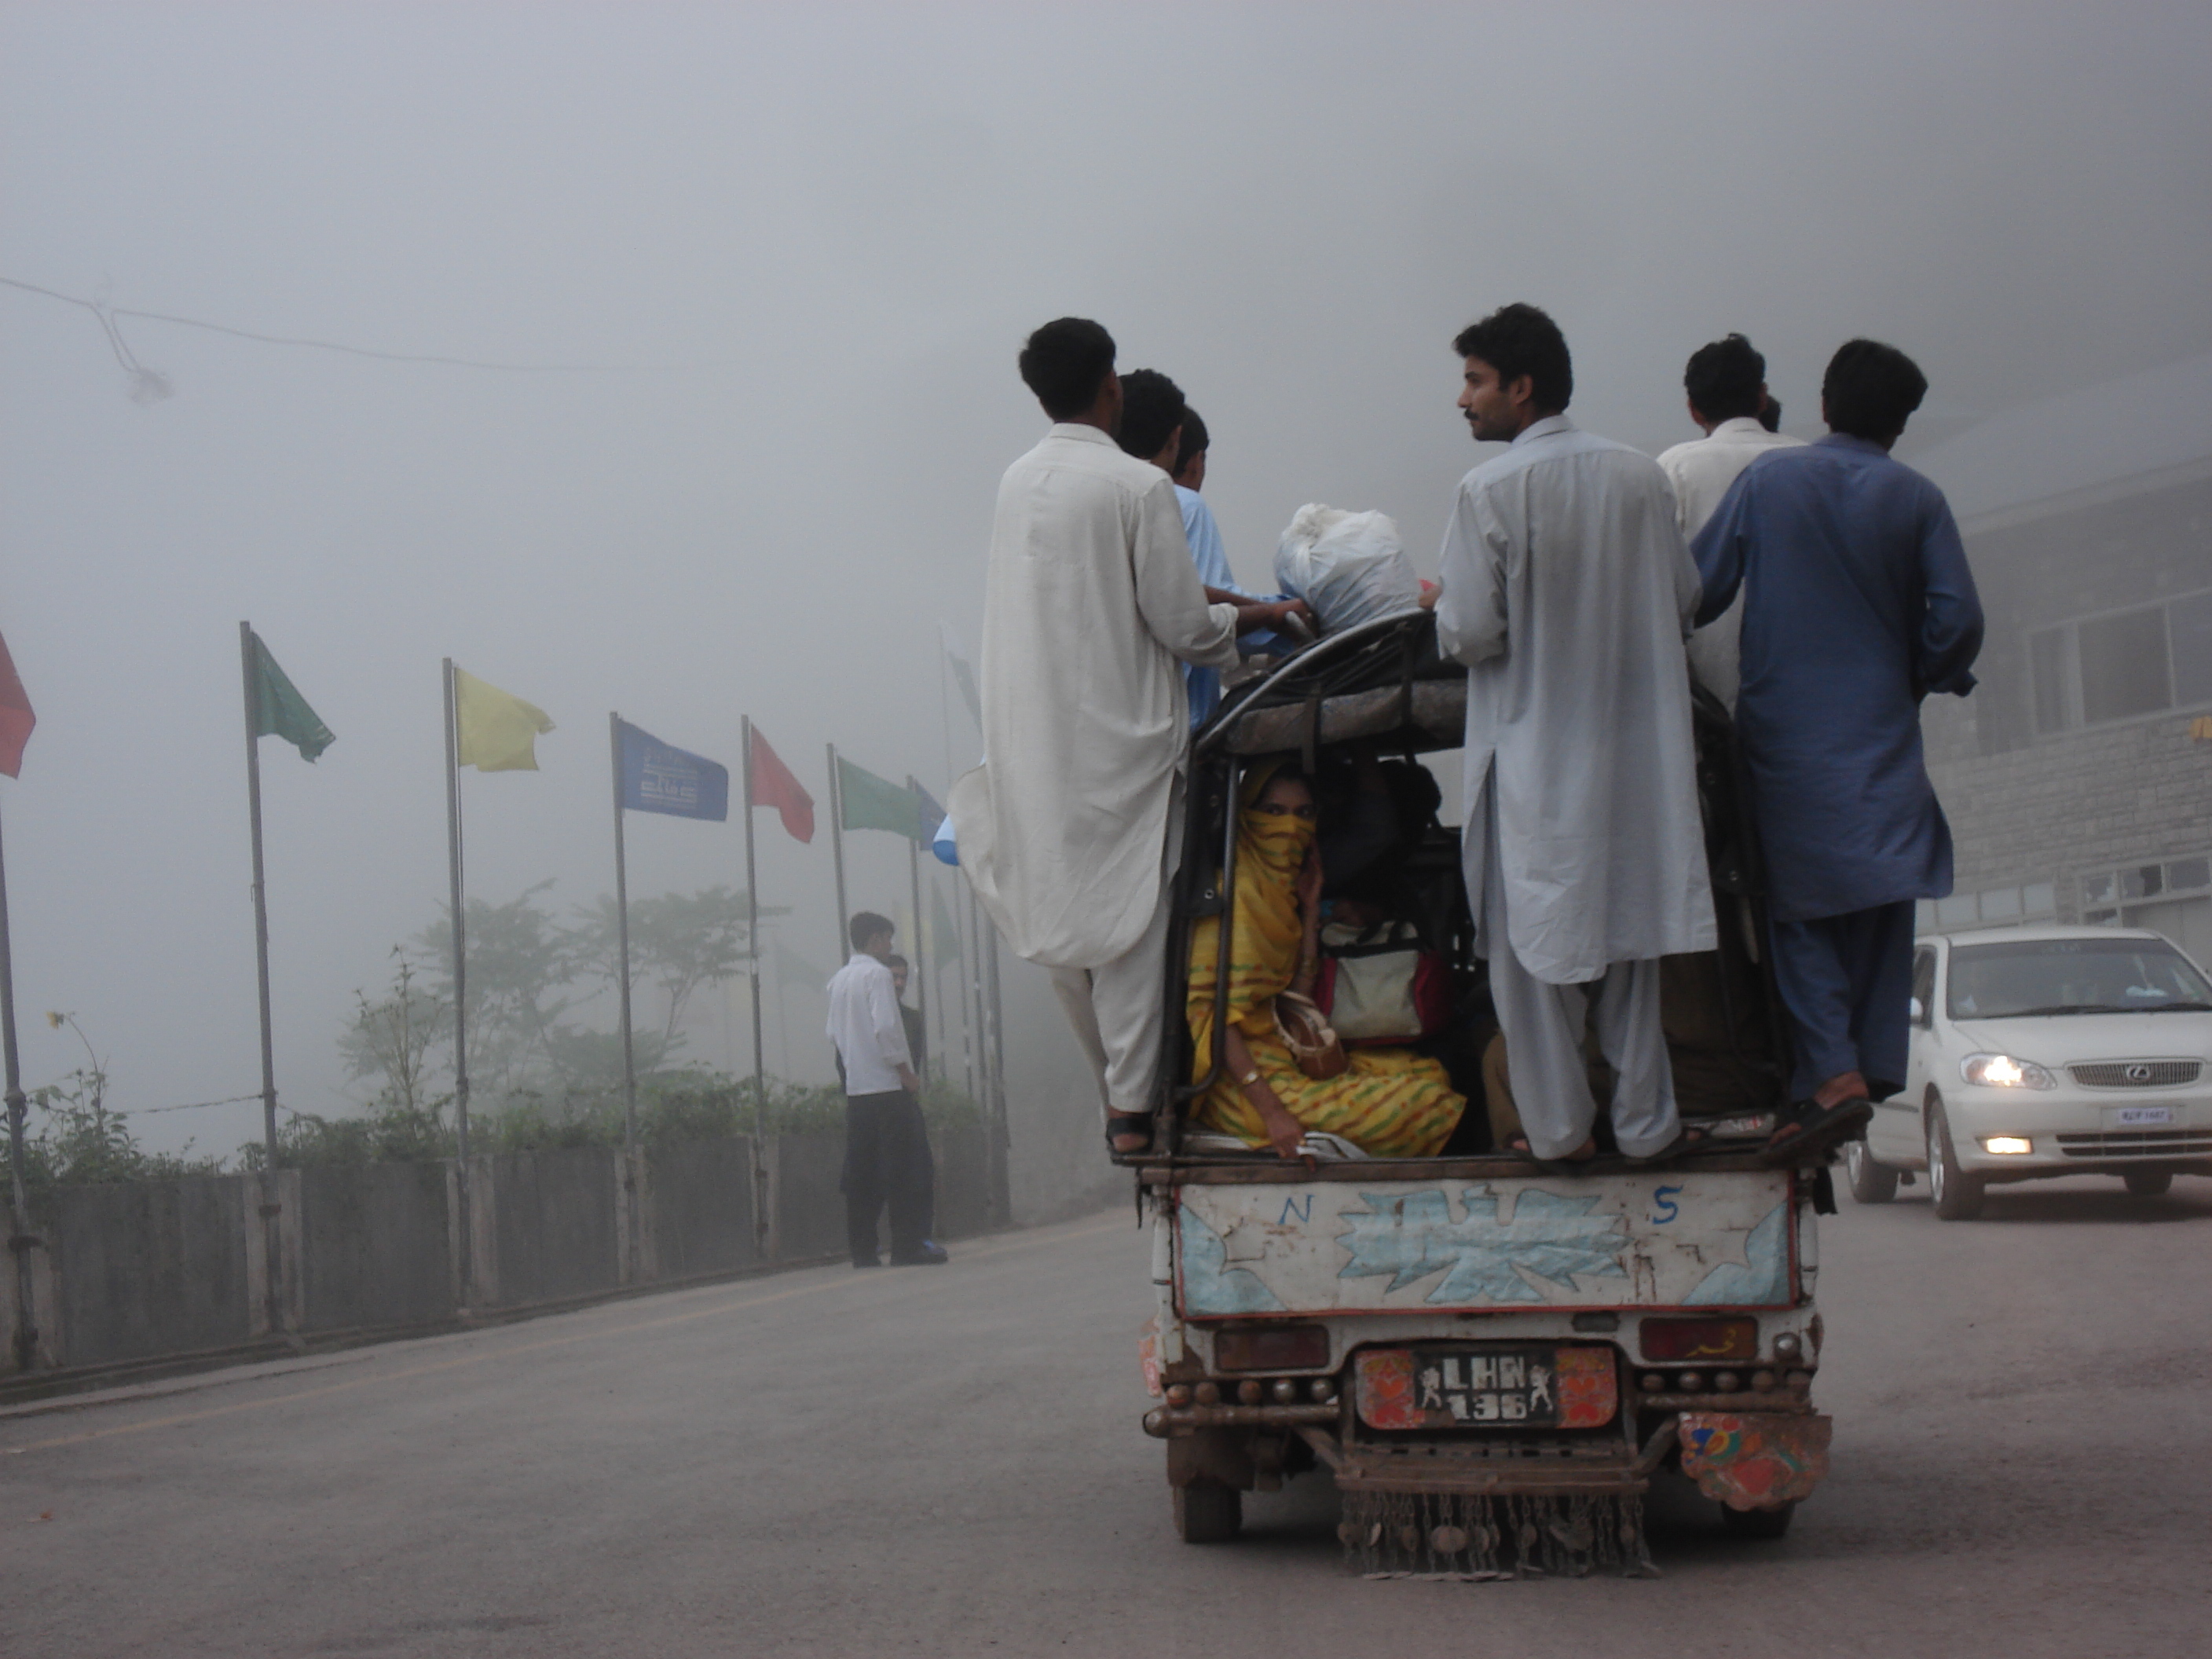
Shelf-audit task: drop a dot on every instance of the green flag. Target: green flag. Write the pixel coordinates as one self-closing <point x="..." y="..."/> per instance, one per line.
<point x="280" y="711"/>
<point x="868" y="802"/>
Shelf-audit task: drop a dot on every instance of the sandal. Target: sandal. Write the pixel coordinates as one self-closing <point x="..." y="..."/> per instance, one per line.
<point x="1687" y="1141"/>
<point x="1518" y="1146"/>
<point x="1808" y="1131"/>
<point x="1132" y="1125"/>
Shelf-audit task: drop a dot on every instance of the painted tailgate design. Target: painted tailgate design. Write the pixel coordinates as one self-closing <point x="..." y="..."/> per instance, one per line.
<point x="1666" y="1239"/>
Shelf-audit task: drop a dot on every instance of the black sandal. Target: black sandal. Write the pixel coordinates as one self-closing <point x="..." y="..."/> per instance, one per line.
<point x="1687" y="1141"/>
<point x="1808" y="1131"/>
<point x="1119" y="1124"/>
<point x="1552" y="1166"/>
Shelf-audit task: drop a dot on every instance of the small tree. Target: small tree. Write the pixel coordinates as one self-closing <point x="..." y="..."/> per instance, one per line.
<point x="390" y="1039"/>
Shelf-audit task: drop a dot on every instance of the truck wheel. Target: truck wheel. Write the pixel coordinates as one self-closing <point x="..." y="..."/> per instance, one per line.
<point x="2147" y="1183"/>
<point x="1207" y="1513"/>
<point x="1756" y="1523"/>
<point x="1957" y="1196"/>
<point x="1870" y="1182"/>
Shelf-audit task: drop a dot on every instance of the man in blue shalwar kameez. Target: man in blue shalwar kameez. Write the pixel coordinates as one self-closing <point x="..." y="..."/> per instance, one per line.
<point x="1857" y="603"/>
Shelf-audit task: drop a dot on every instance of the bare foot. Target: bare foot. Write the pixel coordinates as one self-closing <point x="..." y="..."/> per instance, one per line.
<point x="1849" y="1086"/>
<point x="1582" y="1154"/>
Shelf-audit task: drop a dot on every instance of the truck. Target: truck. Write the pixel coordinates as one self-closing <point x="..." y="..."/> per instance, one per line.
<point x="1491" y="1359"/>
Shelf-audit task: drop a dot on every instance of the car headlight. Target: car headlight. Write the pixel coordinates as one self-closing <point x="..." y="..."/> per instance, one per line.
<point x="2003" y="1071"/>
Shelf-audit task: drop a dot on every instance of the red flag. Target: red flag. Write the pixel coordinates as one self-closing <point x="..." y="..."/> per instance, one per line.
<point x="16" y="719"/>
<point x="774" y="785"/>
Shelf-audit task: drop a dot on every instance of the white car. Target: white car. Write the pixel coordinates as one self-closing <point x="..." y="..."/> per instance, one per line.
<point x="2045" y="1051"/>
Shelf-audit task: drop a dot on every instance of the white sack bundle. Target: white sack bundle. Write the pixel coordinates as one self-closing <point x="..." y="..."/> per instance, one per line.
<point x="1350" y="567"/>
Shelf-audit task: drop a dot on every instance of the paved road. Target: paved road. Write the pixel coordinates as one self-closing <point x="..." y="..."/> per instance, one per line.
<point x="947" y="1461"/>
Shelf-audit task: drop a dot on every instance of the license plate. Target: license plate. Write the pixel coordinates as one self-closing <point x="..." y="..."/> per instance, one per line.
<point x="1439" y="1387"/>
<point x="2131" y="1115"/>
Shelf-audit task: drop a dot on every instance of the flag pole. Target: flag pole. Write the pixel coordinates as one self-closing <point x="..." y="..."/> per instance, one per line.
<point x="622" y="934"/>
<point x="272" y="1250"/>
<point x="975" y="978"/>
<point x="464" y="1248"/>
<point x="21" y="1240"/>
<point x="837" y="853"/>
<point x="753" y="944"/>
<point x="921" y="949"/>
<point x="752" y="931"/>
<point x="1001" y="1186"/>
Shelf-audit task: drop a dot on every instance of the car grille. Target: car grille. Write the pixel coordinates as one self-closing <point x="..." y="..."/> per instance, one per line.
<point x="2139" y="1143"/>
<point x="2135" y="1074"/>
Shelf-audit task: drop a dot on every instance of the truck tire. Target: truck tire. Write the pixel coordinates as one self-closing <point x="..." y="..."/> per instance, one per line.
<point x="2147" y="1183"/>
<point x="1207" y="1513"/>
<point x="1870" y="1182"/>
<point x="1957" y="1196"/>
<point x="1756" y="1523"/>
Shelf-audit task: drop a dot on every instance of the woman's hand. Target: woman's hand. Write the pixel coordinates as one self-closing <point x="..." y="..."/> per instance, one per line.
<point x="1284" y="1131"/>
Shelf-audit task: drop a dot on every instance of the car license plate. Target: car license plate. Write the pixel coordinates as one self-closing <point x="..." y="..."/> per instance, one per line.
<point x="1439" y="1387"/>
<point x="2130" y="1117"/>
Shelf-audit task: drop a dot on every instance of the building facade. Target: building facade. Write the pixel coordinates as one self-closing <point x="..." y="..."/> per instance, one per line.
<point x="2078" y="776"/>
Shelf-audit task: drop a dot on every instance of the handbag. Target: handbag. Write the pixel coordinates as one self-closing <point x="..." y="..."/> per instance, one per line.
<point x="1316" y="1047"/>
<point x="1381" y="986"/>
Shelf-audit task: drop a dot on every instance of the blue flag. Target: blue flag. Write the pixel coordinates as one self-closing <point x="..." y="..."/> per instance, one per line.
<point x="656" y="778"/>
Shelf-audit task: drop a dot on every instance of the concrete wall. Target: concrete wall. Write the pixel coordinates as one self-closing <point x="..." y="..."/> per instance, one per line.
<point x="700" y="1219"/>
<point x="375" y="1248"/>
<point x="145" y="1270"/>
<point x="149" y="1267"/>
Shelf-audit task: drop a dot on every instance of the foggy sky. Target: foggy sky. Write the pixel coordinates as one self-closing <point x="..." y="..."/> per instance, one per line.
<point x="827" y="230"/>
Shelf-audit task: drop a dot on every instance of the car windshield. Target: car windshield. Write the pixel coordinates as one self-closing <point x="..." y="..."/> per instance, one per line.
<point x="2072" y="976"/>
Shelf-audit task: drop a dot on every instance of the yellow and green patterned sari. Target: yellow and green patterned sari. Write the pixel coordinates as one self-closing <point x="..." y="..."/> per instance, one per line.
<point x="1391" y="1103"/>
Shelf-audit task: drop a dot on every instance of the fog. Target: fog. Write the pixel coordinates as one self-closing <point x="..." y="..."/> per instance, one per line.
<point x="795" y="251"/>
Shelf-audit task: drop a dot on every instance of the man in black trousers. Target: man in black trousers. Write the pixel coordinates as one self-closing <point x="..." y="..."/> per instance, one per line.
<point x="887" y="1161"/>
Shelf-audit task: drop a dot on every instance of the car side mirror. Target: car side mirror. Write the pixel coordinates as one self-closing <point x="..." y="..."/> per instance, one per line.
<point x="1918" y="1013"/>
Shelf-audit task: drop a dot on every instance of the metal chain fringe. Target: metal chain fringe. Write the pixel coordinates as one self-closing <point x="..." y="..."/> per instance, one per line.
<point x="1456" y="1535"/>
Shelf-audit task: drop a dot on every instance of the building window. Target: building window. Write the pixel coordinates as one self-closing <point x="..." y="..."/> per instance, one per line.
<point x="2123" y="665"/>
<point x="2107" y="896"/>
<point x="1996" y="907"/>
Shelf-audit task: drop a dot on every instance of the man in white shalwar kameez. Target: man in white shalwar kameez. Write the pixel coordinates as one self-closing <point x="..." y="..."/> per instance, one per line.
<point x="1568" y="592"/>
<point x="1093" y="603"/>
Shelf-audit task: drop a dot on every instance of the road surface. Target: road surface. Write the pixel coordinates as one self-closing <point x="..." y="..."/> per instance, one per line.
<point x="947" y="1461"/>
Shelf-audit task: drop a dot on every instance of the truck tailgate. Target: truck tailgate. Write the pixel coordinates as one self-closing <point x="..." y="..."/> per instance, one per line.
<point x="1353" y="1245"/>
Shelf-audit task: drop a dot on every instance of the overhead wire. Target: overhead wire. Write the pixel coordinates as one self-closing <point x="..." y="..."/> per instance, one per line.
<point x="106" y="313"/>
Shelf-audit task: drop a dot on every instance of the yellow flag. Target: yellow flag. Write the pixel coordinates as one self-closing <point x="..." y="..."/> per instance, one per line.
<point x="498" y="731"/>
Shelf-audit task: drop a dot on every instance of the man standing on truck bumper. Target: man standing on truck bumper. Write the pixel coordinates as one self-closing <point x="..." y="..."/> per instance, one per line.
<point x="1857" y="603"/>
<point x="1568" y="593"/>
<point x="1066" y="830"/>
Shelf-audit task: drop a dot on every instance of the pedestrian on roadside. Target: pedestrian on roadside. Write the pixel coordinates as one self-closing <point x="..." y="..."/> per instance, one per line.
<point x="1725" y="383"/>
<point x="1070" y="829"/>
<point x="1568" y="592"/>
<point x="917" y="1032"/>
<point x="1857" y="603"/>
<point x="887" y="1160"/>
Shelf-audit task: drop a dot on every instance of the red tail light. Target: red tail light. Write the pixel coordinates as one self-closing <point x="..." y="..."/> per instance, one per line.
<point x="1283" y="1348"/>
<point x="1699" y="1339"/>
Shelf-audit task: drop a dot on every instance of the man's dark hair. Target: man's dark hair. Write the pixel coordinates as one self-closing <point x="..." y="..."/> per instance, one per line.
<point x="1194" y="438"/>
<point x="895" y="960"/>
<point x="1152" y="409"/>
<point x="1519" y="339"/>
<point x="866" y="924"/>
<point x="1065" y="363"/>
<point x="1725" y="378"/>
<point x="1769" y="413"/>
<point x="1871" y="391"/>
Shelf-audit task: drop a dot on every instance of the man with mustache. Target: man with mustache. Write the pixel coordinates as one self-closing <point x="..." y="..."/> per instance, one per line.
<point x="1568" y="593"/>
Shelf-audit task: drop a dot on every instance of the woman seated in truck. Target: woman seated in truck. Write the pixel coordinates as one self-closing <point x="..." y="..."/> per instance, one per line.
<point x="1388" y="1101"/>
